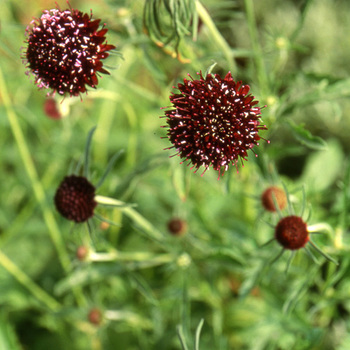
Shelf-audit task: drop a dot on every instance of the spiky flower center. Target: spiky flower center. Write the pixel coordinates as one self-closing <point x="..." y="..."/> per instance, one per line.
<point x="291" y="232"/>
<point x="214" y="122"/>
<point x="272" y="196"/>
<point x="65" y="49"/>
<point x="74" y="198"/>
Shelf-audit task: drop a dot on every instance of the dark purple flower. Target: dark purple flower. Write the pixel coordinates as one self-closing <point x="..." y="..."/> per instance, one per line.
<point x="65" y="49"/>
<point x="74" y="198"/>
<point x="214" y="122"/>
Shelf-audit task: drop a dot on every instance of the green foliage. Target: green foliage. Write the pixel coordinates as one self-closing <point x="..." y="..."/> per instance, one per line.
<point x="214" y="287"/>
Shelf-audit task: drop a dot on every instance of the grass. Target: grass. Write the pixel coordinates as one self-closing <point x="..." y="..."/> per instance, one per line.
<point x="214" y="287"/>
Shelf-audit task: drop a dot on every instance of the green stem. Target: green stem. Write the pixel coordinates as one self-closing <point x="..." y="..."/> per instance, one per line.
<point x="130" y="256"/>
<point x="106" y="117"/>
<point x="28" y="283"/>
<point x="258" y="55"/>
<point x="216" y="35"/>
<point x="132" y="214"/>
<point x="33" y="176"/>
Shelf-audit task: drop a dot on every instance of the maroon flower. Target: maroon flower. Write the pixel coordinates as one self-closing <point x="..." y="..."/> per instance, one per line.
<point x="65" y="49"/>
<point x="214" y="122"/>
<point x="291" y="232"/>
<point x="74" y="198"/>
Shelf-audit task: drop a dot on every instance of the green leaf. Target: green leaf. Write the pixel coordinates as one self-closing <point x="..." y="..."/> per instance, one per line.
<point x="227" y="254"/>
<point x="323" y="167"/>
<point x="8" y="339"/>
<point x="306" y="138"/>
<point x="143" y="287"/>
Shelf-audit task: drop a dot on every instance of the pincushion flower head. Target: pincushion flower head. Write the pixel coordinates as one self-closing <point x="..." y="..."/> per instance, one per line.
<point x="65" y="50"/>
<point x="214" y="121"/>
<point x="75" y="198"/>
<point x="293" y="233"/>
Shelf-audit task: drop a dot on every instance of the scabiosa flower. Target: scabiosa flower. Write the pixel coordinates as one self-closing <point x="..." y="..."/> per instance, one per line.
<point x="65" y="51"/>
<point x="214" y="121"/>
<point x="75" y="198"/>
<point x="293" y="233"/>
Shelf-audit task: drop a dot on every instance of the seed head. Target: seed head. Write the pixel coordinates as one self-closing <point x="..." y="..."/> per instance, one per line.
<point x="82" y="252"/>
<point x="214" y="122"/>
<point x="272" y="194"/>
<point x="95" y="316"/>
<point x="65" y="49"/>
<point x="74" y="198"/>
<point x="291" y="232"/>
<point x="177" y="227"/>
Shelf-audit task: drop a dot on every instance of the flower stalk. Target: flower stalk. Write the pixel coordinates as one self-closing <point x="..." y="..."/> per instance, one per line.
<point x="216" y="35"/>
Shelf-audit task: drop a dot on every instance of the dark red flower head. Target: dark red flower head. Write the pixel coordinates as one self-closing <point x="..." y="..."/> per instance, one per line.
<point x="65" y="49"/>
<point x="74" y="198"/>
<point x="291" y="232"/>
<point x="214" y="122"/>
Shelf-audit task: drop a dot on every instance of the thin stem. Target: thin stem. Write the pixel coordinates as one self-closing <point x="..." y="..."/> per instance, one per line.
<point x="33" y="176"/>
<point x="137" y="218"/>
<point x="290" y="206"/>
<point x="105" y="120"/>
<point x="216" y="35"/>
<point x="268" y="242"/>
<point x="198" y="332"/>
<point x="323" y="253"/>
<point x="38" y="190"/>
<point x="291" y="257"/>
<point x="180" y="334"/>
<point x="88" y="152"/>
<point x="309" y="253"/>
<point x="258" y="56"/>
<point x="303" y="201"/>
<point x="28" y="283"/>
<point x="278" y="256"/>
